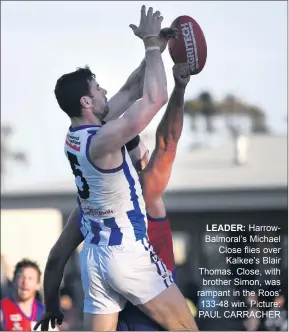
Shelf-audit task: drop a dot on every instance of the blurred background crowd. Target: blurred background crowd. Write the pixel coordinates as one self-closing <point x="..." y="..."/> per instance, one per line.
<point x="231" y="165"/>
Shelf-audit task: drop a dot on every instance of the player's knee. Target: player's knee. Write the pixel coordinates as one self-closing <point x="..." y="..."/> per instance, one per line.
<point x="170" y="314"/>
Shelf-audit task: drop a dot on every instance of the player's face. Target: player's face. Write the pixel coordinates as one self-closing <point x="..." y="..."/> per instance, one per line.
<point x="27" y="283"/>
<point x="98" y="100"/>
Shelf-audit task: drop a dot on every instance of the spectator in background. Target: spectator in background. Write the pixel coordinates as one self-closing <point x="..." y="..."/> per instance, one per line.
<point x="21" y="310"/>
<point x="278" y="323"/>
<point x="252" y="323"/>
<point x="70" y="313"/>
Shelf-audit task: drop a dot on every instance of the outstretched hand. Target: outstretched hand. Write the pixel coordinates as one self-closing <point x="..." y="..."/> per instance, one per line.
<point x="49" y="317"/>
<point x="150" y="24"/>
<point x="165" y="35"/>
<point x="182" y="74"/>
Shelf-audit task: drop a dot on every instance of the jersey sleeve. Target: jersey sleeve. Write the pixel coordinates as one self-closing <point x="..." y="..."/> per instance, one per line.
<point x="160" y="236"/>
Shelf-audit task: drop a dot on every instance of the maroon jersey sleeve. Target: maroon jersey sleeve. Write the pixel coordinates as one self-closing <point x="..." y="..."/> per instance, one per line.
<point x="160" y="236"/>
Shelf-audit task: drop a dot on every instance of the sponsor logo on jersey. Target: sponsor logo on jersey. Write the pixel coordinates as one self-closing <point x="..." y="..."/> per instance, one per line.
<point x="17" y="327"/>
<point x="89" y="210"/>
<point x="95" y="212"/>
<point x="73" y="142"/>
<point x="15" y="318"/>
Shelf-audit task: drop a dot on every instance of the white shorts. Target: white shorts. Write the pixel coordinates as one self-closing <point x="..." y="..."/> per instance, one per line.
<point x="111" y="275"/>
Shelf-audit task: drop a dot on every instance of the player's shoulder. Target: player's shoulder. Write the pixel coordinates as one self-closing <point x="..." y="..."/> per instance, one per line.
<point x="5" y="301"/>
<point x="6" y="305"/>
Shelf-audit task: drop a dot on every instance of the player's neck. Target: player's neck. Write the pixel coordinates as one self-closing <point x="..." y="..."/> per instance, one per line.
<point x="86" y="119"/>
<point x="25" y="305"/>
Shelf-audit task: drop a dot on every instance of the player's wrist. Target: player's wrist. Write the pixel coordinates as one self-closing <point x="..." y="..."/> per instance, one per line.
<point x="180" y="87"/>
<point x="151" y="41"/>
<point x="51" y="304"/>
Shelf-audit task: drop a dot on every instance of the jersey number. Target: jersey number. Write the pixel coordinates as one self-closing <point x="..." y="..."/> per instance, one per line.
<point x="84" y="191"/>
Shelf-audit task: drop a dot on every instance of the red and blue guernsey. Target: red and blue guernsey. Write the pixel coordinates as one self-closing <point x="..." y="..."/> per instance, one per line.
<point x="13" y="318"/>
<point x="160" y="237"/>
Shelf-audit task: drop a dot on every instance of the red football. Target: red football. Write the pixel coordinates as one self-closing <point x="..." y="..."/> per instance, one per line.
<point x="191" y="44"/>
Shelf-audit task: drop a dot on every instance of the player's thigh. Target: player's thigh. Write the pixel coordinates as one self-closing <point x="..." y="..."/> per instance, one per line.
<point x="100" y="322"/>
<point x="99" y="298"/>
<point x="170" y="310"/>
<point x="137" y="273"/>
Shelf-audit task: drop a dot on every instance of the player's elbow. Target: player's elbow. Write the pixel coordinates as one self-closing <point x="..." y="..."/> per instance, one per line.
<point x="157" y="98"/>
<point x="54" y="259"/>
<point x="160" y="99"/>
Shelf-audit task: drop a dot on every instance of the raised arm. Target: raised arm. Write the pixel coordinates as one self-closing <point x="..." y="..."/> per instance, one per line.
<point x="132" y="90"/>
<point x="155" y="176"/>
<point x="111" y="137"/>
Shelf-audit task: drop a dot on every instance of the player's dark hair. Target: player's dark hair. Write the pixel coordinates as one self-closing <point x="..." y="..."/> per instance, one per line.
<point x="71" y="87"/>
<point x="23" y="264"/>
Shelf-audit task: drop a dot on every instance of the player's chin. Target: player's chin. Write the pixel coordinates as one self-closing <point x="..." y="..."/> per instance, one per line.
<point x="24" y="296"/>
<point x="105" y="111"/>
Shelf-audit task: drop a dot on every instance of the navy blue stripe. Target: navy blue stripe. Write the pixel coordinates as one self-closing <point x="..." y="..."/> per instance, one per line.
<point x="166" y="283"/>
<point x="95" y="229"/>
<point x="152" y="253"/>
<point x="135" y="216"/>
<point x="143" y="243"/>
<point x="166" y="271"/>
<point x="73" y="129"/>
<point x="169" y="272"/>
<point x="171" y="279"/>
<point x="112" y="170"/>
<point x="156" y="219"/>
<point x="175" y="276"/>
<point x="116" y="235"/>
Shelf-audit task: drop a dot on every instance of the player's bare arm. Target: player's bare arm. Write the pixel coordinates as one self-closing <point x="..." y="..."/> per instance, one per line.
<point x="155" y="176"/>
<point x="132" y="90"/>
<point x="116" y="133"/>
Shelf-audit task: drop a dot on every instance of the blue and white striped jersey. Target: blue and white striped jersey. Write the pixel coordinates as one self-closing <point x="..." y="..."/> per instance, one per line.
<point x="111" y="201"/>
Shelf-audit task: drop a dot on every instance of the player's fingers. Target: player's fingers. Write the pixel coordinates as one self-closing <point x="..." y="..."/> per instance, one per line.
<point x="168" y="33"/>
<point x="143" y="11"/>
<point x="174" y="33"/>
<point x="188" y="71"/>
<point x="133" y="27"/>
<point x="157" y="14"/>
<point x="150" y="12"/>
<point x="53" y="323"/>
<point x="161" y="18"/>
<point x="45" y="325"/>
<point x="59" y="321"/>
<point x="37" y="325"/>
<point x="142" y="14"/>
